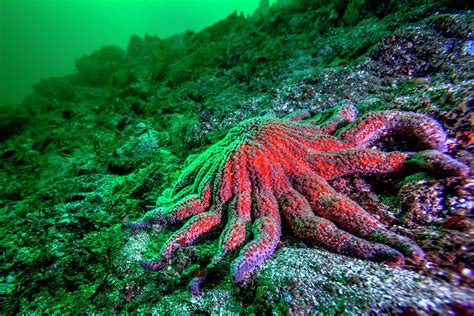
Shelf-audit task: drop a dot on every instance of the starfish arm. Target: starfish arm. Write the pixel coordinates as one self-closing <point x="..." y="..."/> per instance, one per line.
<point x="146" y="221"/>
<point x="192" y="230"/>
<point x="307" y="226"/>
<point x="348" y="215"/>
<point x="233" y="181"/>
<point x="406" y="246"/>
<point x="196" y="176"/>
<point x="356" y="161"/>
<point x="236" y="181"/>
<point x="189" y="207"/>
<point x="343" y="115"/>
<point x="200" y="172"/>
<point x="438" y="163"/>
<point x="297" y="140"/>
<point x="298" y="115"/>
<point x="267" y="226"/>
<point x="266" y="231"/>
<point x="232" y="237"/>
<point x="379" y="124"/>
<point x="185" y="208"/>
<point x="327" y="203"/>
<point x="234" y="233"/>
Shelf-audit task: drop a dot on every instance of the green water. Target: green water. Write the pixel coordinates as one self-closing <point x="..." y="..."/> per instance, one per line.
<point x="42" y="38"/>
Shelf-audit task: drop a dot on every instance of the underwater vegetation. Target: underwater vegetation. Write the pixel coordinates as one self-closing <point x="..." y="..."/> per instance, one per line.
<point x="250" y="127"/>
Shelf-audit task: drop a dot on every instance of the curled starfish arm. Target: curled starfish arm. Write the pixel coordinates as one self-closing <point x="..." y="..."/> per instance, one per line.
<point x="438" y="163"/>
<point x="379" y="124"/>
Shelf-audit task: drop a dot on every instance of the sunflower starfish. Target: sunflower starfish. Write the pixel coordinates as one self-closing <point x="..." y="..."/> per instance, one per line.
<point x="268" y="169"/>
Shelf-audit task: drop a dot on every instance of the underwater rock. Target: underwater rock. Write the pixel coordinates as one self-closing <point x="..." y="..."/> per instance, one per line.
<point x="414" y="54"/>
<point x="306" y="281"/>
<point x="432" y="201"/>
<point x="143" y="147"/>
<point x="54" y="88"/>
<point x="96" y="68"/>
<point x="12" y="122"/>
<point x="436" y="45"/>
<point x="423" y="201"/>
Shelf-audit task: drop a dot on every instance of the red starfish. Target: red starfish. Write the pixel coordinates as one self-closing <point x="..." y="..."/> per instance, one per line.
<point x="267" y="170"/>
